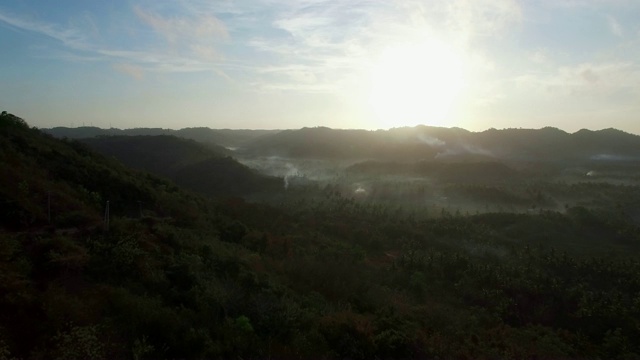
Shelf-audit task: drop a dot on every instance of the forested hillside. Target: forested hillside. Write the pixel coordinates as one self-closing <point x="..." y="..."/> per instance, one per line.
<point x="207" y="169"/>
<point x="314" y="273"/>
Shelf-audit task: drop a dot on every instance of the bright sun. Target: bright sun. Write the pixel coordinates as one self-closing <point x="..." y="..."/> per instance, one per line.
<point x="415" y="83"/>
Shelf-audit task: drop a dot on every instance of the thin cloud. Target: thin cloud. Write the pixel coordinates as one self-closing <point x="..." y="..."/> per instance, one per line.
<point x="310" y="44"/>
<point x="196" y="34"/>
<point x="589" y="3"/>
<point x="44" y="52"/>
<point x="539" y="56"/>
<point x="336" y="41"/>
<point x="614" y="26"/>
<point x="589" y="75"/>
<point x="133" y="71"/>
<point x="70" y="37"/>
<point x="481" y="18"/>
<point x="320" y="44"/>
<point x="206" y="52"/>
<point x="197" y="28"/>
<point x="307" y="46"/>
<point x="585" y="79"/>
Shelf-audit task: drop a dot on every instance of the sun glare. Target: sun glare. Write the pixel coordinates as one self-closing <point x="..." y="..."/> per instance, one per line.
<point x="415" y="83"/>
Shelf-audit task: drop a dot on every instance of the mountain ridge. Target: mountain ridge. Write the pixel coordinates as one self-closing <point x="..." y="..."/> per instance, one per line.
<point x="222" y="137"/>
<point x="422" y="142"/>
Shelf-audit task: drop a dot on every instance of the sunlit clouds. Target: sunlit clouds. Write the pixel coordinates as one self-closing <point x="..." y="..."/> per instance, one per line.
<point x="346" y="64"/>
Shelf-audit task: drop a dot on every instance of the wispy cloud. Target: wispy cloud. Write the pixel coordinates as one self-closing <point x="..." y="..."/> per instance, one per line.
<point x="133" y="71"/>
<point x="184" y="28"/>
<point x="589" y="3"/>
<point x="336" y="41"/>
<point x="482" y="18"/>
<point x="584" y="80"/>
<point x="315" y="46"/>
<point x="191" y="42"/>
<point x="70" y="37"/>
<point x="539" y="56"/>
<point x="614" y="26"/>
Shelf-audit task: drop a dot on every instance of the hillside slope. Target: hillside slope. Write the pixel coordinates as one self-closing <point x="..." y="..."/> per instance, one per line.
<point x="46" y="180"/>
<point x="96" y="259"/>
<point x="188" y="163"/>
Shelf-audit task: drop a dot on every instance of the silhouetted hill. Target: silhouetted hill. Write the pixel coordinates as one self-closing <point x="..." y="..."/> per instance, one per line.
<point x="608" y="144"/>
<point x="231" y="138"/>
<point x="550" y="144"/>
<point x="324" y="142"/>
<point x="222" y="137"/>
<point x="162" y="153"/>
<point x="49" y="181"/>
<point x="423" y="142"/>
<point x="98" y="261"/>
<point x="186" y="162"/>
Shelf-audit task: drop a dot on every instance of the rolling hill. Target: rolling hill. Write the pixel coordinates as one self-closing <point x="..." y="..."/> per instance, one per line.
<point x="195" y="166"/>
<point x="404" y="144"/>
<point x="433" y="143"/>
<point x="46" y="180"/>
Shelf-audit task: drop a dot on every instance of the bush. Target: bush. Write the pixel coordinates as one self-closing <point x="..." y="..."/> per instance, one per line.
<point x="79" y="342"/>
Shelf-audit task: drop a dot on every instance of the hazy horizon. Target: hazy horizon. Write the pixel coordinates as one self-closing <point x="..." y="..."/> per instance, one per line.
<point x="284" y="64"/>
<point x="331" y="128"/>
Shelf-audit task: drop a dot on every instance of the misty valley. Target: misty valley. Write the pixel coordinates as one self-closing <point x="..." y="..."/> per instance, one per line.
<point x="414" y="242"/>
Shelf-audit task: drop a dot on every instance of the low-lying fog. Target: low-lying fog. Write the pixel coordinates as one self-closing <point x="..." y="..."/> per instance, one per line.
<point x="464" y="187"/>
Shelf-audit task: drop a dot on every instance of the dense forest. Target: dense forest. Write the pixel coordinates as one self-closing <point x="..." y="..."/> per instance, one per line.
<point x="373" y="258"/>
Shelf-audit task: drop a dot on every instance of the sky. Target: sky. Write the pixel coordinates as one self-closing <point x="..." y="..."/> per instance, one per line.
<point x="285" y="64"/>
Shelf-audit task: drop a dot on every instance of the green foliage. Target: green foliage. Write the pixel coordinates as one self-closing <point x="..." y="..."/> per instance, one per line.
<point x="243" y="324"/>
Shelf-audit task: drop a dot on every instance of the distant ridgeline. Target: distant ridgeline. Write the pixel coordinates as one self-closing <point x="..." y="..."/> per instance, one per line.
<point x="221" y="137"/>
<point x="445" y="144"/>
<point x="409" y="144"/>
